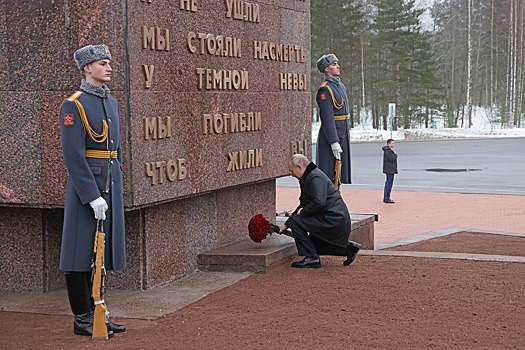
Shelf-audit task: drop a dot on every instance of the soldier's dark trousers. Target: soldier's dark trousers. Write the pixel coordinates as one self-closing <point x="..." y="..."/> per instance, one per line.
<point x="79" y="294"/>
<point x="82" y="304"/>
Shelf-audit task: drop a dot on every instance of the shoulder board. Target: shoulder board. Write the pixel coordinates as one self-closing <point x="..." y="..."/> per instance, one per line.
<point x="325" y="83"/>
<point x="75" y="96"/>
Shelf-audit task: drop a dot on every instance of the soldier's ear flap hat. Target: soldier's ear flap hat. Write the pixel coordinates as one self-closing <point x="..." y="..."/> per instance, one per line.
<point x="325" y="61"/>
<point x="91" y="53"/>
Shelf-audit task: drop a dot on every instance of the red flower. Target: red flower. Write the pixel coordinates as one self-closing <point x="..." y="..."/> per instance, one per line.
<point x="259" y="228"/>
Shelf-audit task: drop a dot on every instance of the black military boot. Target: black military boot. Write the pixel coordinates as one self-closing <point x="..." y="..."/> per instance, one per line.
<point x="79" y="295"/>
<point x="83" y="324"/>
<point x="351" y="252"/>
<point x="115" y="328"/>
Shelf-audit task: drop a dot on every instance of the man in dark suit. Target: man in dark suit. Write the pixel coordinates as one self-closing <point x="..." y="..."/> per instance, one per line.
<point x="91" y="147"/>
<point x="321" y="223"/>
<point x="389" y="168"/>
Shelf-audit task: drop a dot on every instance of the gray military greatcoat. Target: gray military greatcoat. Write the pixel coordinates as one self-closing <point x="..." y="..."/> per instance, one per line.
<point x="333" y="102"/>
<point x="87" y="181"/>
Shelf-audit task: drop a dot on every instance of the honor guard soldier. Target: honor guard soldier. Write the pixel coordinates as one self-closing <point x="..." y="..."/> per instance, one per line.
<point x="333" y="141"/>
<point x="91" y="147"/>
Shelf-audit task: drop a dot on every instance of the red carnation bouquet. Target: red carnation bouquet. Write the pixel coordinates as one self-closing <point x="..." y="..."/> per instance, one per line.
<point x="259" y="228"/>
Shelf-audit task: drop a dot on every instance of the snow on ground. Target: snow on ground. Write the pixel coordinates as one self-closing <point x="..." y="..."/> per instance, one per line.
<point x="483" y="126"/>
<point x="367" y="134"/>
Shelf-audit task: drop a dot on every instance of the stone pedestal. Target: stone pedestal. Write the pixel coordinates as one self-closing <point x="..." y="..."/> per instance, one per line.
<point x="247" y="256"/>
<point x="214" y="98"/>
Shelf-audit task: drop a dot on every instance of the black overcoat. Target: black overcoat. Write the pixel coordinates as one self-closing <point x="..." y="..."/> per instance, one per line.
<point x="333" y="101"/>
<point x="86" y="182"/>
<point x="324" y="213"/>
<point x="389" y="160"/>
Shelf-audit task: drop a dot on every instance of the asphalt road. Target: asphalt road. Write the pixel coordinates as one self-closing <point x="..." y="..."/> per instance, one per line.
<point x="493" y="166"/>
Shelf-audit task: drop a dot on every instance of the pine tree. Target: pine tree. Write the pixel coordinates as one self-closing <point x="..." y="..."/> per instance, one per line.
<point x="336" y="28"/>
<point x="403" y="64"/>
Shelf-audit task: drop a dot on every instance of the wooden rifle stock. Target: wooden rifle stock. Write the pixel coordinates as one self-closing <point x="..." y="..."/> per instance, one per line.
<point x="337" y="173"/>
<point x="100" y="330"/>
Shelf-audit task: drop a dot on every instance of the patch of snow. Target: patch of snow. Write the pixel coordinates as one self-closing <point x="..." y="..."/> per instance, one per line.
<point x="481" y="128"/>
<point x="371" y="135"/>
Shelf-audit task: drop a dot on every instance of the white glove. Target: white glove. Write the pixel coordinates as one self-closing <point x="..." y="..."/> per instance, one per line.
<point x="336" y="150"/>
<point x="99" y="206"/>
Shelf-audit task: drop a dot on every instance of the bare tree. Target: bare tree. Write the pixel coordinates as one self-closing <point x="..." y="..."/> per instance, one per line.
<point x="469" y="63"/>
<point x="520" y="65"/>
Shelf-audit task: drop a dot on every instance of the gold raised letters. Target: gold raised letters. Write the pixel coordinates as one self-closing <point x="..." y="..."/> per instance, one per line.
<point x="155" y="39"/>
<point x="300" y="147"/>
<point x="148" y="74"/>
<point x="231" y="122"/>
<point x="213" y="79"/>
<point x="217" y="45"/>
<point x="173" y="170"/>
<point x="242" y="11"/>
<point x="157" y="128"/>
<point x="264" y="50"/>
<point x="244" y="159"/>
<point x="292" y="81"/>
<point x="188" y="5"/>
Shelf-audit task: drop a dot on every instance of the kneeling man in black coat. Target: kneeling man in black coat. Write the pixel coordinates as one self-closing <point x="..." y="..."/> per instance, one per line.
<point x="321" y="223"/>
